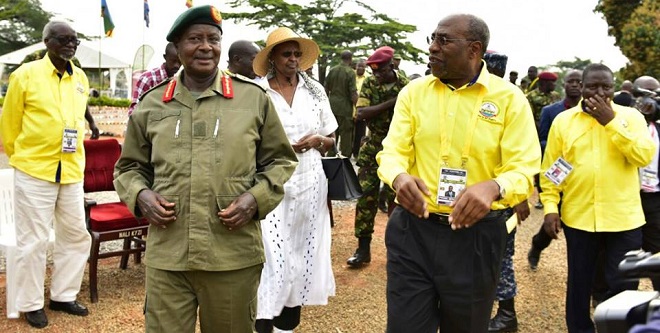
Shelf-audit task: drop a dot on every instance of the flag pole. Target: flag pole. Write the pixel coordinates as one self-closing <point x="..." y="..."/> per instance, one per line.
<point x="100" y="47"/>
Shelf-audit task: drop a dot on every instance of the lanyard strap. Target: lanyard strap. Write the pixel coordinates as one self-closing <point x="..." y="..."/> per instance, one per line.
<point x="445" y="138"/>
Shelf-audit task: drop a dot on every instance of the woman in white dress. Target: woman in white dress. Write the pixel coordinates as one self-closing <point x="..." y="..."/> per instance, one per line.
<point x="296" y="235"/>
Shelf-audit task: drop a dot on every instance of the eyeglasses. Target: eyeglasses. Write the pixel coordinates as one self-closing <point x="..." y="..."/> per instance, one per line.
<point x="288" y="54"/>
<point x="64" y="40"/>
<point x="442" y="40"/>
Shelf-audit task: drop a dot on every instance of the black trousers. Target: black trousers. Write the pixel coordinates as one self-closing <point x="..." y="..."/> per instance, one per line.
<point x="542" y="240"/>
<point x="582" y="249"/>
<point x="441" y="278"/>
<point x="651" y="230"/>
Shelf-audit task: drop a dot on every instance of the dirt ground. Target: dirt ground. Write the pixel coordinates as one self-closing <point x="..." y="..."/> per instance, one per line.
<point x="359" y="305"/>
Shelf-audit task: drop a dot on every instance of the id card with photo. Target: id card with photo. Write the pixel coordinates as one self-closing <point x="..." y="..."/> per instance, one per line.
<point x="452" y="182"/>
<point x="649" y="179"/>
<point x="558" y="171"/>
<point x="69" y="140"/>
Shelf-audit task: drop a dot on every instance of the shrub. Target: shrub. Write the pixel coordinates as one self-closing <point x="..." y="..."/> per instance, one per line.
<point x="108" y="101"/>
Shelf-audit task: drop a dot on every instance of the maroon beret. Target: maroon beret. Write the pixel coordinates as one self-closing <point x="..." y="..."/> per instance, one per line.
<point x="382" y="56"/>
<point x="550" y="76"/>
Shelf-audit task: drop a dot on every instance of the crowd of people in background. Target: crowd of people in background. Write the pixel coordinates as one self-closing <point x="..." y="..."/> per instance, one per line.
<point x="226" y="166"/>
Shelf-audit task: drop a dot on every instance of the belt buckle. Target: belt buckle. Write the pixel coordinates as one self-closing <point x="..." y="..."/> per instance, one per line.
<point x="441" y="218"/>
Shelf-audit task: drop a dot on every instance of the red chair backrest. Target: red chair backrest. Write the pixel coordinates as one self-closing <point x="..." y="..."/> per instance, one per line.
<point x="100" y="159"/>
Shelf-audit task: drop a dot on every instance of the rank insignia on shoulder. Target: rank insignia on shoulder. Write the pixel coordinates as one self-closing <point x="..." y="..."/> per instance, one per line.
<point x="227" y="87"/>
<point x="169" y="91"/>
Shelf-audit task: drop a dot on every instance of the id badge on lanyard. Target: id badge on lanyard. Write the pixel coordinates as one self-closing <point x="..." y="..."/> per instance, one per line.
<point x="452" y="181"/>
<point x="649" y="179"/>
<point x="69" y="140"/>
<point x="558" y="171"/>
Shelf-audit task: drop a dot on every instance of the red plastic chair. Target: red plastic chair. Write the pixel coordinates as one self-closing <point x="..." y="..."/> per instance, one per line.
<point x="108" y="221"/>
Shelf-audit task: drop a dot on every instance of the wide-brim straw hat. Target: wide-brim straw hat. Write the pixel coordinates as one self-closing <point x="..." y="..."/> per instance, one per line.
<point x="310" y="50"/>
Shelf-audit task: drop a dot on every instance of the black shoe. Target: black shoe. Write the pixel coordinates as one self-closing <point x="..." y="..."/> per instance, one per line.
<point x="533" y="257"/>
<point x="538" y="205"/>
<point x="73" y="308"/>
<point x="37" y="318"/>
<point x="504" y="321"/>
<point x="359" y="258"/>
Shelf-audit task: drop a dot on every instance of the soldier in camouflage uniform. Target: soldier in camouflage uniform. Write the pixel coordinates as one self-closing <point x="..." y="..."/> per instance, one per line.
<point x="376" y="106"/>
<point x="538" y="98"/>
<point x="505" y="319"/>
<point x="544" y="95"/>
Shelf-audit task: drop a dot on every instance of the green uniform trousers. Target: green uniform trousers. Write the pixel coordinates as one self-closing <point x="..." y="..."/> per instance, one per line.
<point x="227" y="300"/>
<point x="367" y="205"/>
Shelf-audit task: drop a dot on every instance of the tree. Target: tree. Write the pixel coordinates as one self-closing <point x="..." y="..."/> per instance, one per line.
<point x="21" y="24"/>
<point x="634" y="25"/>
<point x="578" y="63"/>
<point x="333" y="32"/>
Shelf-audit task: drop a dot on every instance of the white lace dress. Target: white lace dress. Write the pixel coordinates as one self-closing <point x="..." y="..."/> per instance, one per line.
<point x="297" y="234"/>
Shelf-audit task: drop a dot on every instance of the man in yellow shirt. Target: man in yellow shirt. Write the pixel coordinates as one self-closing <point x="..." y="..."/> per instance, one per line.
<point x="592" y="156"/>
<point x="42" y="128"/>
<point x="474" y="131"/>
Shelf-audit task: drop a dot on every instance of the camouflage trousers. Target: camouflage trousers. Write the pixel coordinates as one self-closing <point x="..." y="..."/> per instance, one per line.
<point x="367" y="205"/>
<point x="506" y="286"/>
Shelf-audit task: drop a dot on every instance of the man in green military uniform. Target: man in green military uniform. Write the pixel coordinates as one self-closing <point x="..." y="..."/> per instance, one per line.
<point x="342" y="92"/>
<point x="544" y="95"/>
<point x="375" y="105"/>
<point x="538" y="98"/>
<point x="204" y="159"/>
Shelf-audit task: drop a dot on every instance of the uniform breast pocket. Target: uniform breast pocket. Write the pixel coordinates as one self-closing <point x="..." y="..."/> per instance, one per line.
<point x="235" y="131"/>
<point x="166" y="130"/>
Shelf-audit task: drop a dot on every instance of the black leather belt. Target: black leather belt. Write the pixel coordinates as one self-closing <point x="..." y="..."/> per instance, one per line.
<point x="444" y="218"/>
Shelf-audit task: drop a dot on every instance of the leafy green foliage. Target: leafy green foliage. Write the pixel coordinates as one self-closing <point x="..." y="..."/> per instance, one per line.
<point x="21" y="24"/>
<point x="575" y="64"/>
<point x="108" y="101"/>
<point x="333" y="32"/>
<point x="634" y="24"/>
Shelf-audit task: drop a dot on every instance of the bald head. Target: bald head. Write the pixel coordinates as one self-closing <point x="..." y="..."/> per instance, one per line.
<point x="627" y="86"/>
<point x="347" y="57"/>
<point x="172" y="62"/>
<point x="241" y="55"/>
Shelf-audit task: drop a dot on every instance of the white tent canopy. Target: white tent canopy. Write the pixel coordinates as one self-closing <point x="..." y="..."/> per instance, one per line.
<point x="86" y="54"/>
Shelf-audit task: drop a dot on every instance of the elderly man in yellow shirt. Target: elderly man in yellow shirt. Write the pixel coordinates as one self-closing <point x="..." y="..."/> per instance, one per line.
<point x="474" y="131"/>
<point x="592" y="156"/>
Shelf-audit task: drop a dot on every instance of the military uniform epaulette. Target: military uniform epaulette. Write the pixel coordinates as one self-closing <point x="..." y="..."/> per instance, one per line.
<point x="164" y="82"/>
<point x="242" y="78"/>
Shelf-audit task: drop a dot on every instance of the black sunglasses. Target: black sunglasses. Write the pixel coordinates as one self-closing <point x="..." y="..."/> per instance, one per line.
<point x="63" y="40"/>
<point x="296" y="54"/>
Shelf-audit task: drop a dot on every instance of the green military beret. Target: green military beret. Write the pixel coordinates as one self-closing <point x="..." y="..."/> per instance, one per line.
<point x="195" y="15"/>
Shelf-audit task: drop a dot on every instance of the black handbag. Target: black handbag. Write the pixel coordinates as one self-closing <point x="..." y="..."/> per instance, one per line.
<point x="343" y="182"/>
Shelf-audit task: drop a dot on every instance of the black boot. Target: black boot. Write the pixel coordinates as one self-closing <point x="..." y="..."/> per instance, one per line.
<point x="363" y="253"/>
<point x="505" y="320"/>
<point x="264" y="326"/>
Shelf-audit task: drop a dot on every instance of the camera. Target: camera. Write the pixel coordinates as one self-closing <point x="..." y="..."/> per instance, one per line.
<point x="628" y="308"/>
<point x="648" y="101"/>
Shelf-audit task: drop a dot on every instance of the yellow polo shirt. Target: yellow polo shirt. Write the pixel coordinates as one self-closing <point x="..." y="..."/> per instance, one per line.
<point x="602" y="192"/>
<point x="504" y="143"/>
<point x="37" y="108"/>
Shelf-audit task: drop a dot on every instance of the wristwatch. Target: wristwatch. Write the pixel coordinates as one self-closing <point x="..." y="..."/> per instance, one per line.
<point x="502" y="189"/>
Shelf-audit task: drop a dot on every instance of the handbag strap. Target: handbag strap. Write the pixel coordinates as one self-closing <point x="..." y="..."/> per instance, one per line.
<point x="334" y="148"/>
